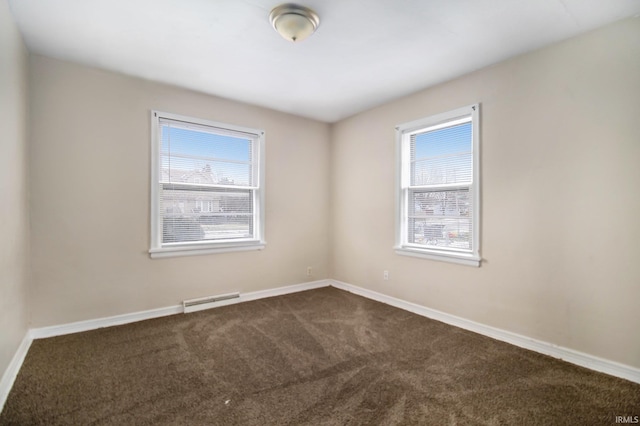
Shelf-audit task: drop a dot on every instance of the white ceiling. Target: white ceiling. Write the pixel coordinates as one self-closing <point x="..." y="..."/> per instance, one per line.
<point x="364" y="53"/>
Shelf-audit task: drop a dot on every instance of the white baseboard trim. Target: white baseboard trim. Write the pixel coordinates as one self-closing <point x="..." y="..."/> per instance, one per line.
<point x="76" y="327"/>
<point x="261" y="294"/>
<point x="575" y="357"/>
<point x="10" y="374"/>
<point x="280" y="291"/>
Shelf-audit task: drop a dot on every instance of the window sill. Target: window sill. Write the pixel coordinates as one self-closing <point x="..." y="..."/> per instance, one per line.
<point x="158" y="253"/>
<point x="459" y="258"/>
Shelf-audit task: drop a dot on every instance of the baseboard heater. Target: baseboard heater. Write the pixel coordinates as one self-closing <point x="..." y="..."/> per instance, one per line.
<point x="203" y="303"/>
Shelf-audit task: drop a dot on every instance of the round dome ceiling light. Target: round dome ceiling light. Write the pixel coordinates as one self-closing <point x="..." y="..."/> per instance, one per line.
<point x="294" y="22"/>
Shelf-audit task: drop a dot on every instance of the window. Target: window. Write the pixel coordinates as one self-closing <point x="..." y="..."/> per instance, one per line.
<point x="438" y="206"/>
<point x="207" y="191"/>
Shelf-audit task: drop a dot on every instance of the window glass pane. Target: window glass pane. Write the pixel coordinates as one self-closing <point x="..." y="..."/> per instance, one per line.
<point x="197" y="156"/>
<point x="204" y="214"/>
<point x="442" y="156"/>
<point x="440" y="219"/>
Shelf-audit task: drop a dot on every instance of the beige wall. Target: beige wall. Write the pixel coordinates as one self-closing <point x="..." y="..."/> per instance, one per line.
<point x="561" y="203"/>
<point x="14" y="214"/>
<point x="89" y="167"/>
<point x="560" y="143"/>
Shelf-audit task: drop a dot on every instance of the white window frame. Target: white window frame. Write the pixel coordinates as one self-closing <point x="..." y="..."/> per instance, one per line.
<point x="403" y="173"/>
<point x="159" y="250"/>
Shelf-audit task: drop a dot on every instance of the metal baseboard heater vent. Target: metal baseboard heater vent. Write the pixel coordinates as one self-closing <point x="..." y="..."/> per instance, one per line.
<point x="203" y="303"/>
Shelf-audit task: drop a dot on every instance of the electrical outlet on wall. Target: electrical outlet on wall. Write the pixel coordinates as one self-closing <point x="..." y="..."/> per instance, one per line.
<point x="385" y="275"/>
<point x="309" y="271"/>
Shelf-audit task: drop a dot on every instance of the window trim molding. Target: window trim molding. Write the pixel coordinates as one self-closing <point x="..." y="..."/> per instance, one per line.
<point x="402" y="132"/>
<point x="156" y="249"/>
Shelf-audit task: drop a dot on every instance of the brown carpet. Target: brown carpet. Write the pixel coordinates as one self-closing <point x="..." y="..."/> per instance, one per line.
<point x="320" y="357"/>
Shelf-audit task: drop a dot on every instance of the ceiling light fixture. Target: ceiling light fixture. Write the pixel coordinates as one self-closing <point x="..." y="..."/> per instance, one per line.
<point x="293" y="22"/>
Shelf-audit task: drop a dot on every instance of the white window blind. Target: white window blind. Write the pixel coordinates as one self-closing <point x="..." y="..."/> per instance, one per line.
<point x="438" y="186"/>
<point x="207" y="185"/>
